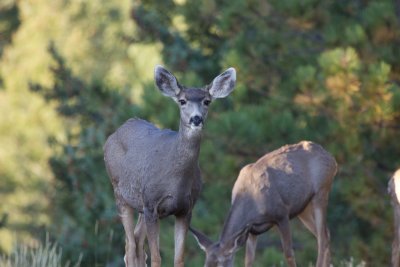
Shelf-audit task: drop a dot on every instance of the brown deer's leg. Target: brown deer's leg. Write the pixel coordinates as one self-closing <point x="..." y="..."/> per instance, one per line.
<point x="307" y="218"/>
<point x="140" y="236"/>
<point x="153" y="233"/>
<point x="320" y="205"/>
<point x="396" y="239"/>
<point x="181" y="228"/>
<point x="286" y="239"/>
<point x="126" y="214"/>
<point x="251" y="244"/>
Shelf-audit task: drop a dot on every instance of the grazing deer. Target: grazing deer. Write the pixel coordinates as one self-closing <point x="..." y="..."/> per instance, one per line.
<point x="294" y="180"/>
<point x="394" y="192"/>
<point x="156" y="172"/>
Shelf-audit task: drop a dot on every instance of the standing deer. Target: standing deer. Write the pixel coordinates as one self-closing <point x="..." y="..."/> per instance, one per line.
<point x="156" y="172"/>
<point x="394" y="191"/>
<point x="294" y="180"/>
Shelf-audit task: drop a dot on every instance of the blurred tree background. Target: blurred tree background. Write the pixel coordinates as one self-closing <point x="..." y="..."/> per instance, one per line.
<point x="72" y="71"/>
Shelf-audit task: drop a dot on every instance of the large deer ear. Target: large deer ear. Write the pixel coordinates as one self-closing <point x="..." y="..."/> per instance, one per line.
<point x="223" y="84"/>
<point x="166" y="82"/>
<point x="203" y="241"/>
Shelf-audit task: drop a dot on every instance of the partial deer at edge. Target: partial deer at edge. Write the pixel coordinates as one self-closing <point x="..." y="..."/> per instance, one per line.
<point x="294" y="180"/>
<point x="156" y="172"/>
<point x="394" y="192"/>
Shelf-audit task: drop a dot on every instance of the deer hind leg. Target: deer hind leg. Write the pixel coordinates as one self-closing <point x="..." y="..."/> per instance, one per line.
<point x="319" y="204"/>
<point x="251" y="244"/>
<point x="395" y="251"/>
<point x="140" y="237"/>
<point x="286" y="239"/>
<point x="396" y="239"/>
<point x="126" y="214"/>
<point x="307" y="218"/>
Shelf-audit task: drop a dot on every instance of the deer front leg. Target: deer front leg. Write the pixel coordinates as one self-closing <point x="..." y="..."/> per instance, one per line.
<point x="153" y="233"/>
<point x="181" y="228"/>
<point x="251" y="244"/>
<point x="286" y="239"/>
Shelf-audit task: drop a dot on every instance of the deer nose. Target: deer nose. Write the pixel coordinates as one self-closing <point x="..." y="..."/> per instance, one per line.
<point x="196" y="120"/>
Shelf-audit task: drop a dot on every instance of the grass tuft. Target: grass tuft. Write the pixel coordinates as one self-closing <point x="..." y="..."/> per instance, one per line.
<point x="47" y="255"/>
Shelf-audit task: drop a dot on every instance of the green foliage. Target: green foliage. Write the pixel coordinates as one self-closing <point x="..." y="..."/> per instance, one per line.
<point x="9" y="22"/>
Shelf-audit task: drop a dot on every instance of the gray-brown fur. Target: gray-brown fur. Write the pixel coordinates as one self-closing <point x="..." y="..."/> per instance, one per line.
<point x="294" y="180"/>
<point x="394" y="192"/>
<point x="155" y="172"/>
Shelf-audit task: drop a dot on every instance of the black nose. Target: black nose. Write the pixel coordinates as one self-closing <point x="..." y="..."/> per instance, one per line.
<point x="196" y="120"/>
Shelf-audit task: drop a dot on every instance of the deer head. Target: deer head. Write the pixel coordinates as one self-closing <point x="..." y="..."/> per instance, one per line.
<point x="193" y="103"/>
<point x="220" y="254"/>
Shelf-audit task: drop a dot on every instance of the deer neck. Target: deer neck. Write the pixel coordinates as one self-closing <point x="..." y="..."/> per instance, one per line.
<point x="237" y="221"/>
<point x="230" y="229"/>
<point x="189" y="142"/>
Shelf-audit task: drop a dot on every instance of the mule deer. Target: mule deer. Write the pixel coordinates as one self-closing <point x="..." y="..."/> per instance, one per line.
<point x="394" y="192"/>
<point x="294" y="180"/>
<point x="156" y="172"/>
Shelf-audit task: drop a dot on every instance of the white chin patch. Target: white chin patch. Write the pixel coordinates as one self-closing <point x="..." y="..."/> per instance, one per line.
<point x="194" y="127"/>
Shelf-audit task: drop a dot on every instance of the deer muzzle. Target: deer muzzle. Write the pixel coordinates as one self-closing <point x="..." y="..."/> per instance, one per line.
<point x="196" y="121"/>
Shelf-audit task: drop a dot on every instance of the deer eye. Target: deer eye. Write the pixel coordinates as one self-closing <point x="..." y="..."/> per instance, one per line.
<point x="182" y="102"/>
<point x="206" y="102"/>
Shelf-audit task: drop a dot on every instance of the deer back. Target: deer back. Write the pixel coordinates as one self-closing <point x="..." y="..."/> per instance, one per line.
<point x="292" y="170"/>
